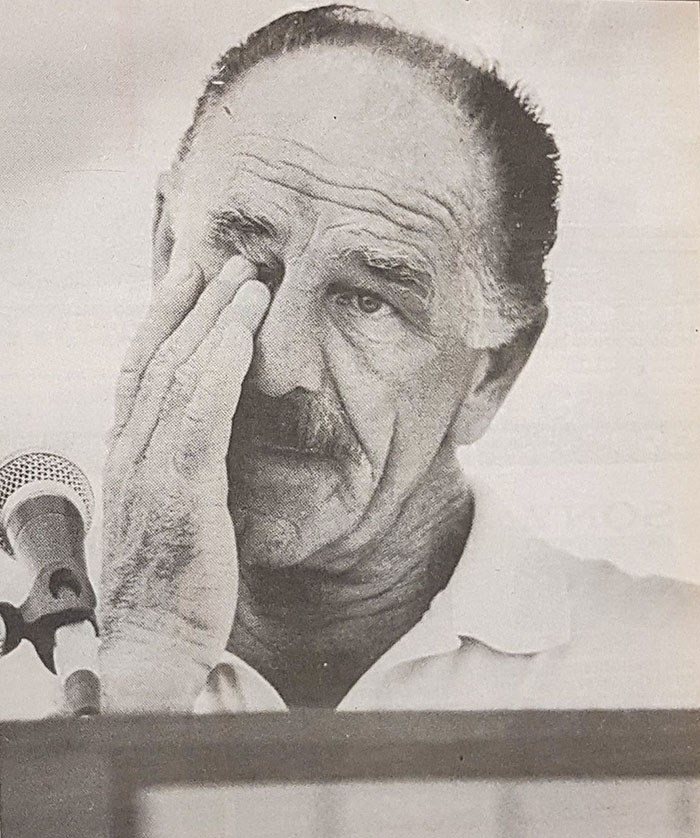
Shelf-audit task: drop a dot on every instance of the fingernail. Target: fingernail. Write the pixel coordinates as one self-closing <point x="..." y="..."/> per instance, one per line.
<point x="250" y="303"/>
<point x="237" y="269"/>
<point x="257" y="295"/>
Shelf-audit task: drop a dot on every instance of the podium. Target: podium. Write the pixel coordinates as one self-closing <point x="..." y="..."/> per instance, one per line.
<point x="109" y="777"/>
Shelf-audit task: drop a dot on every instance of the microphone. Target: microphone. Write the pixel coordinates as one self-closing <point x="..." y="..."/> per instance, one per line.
<point x="46" y="508"/>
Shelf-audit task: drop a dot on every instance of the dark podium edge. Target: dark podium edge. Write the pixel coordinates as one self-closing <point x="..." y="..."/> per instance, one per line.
<point x="92" y="768"/>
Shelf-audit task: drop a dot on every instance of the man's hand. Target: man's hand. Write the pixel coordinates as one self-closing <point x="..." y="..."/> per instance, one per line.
<point x="169" y="578"/>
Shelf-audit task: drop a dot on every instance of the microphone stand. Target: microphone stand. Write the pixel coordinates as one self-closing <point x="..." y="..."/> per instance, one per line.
<point x="81" y="686"/>
<point x="45" y="502"/>
<point x="61" y="603"/>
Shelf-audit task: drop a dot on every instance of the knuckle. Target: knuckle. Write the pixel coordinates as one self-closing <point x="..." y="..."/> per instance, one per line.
<point x="165" y="356"/>
<point x="173" y="351"/>
<point x="182" y="387"/>
<point x="185" y="377"/>
<point x="170" y="403"/>
<point x="194" y="417"/>
<point x="189" y="459"/>
<point x="159" y="367"/>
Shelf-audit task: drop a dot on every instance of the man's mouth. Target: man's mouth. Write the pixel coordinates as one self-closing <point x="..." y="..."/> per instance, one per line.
<point x="266" y="448"/>
<point x="274" y="473"/>
<point x="286" y="450"/>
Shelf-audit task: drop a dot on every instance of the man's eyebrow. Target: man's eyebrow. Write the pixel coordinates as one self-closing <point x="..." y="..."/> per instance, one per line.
<point x="396" y="268"/>
<point x="226" y="222"/>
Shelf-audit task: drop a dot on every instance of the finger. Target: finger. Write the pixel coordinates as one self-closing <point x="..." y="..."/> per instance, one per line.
<point x="180" y="263"/>
<point x="173" y="355"/>
<point x="243" y="316"/>
<point x="206" y="421"/>
<point x="168" y="309"/>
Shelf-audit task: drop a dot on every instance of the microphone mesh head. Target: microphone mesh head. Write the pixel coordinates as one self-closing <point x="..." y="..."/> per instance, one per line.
<point x="30" y="467"/>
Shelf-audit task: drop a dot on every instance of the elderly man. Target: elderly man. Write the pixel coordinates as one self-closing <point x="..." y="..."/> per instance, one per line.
<point x="349" y="277"/>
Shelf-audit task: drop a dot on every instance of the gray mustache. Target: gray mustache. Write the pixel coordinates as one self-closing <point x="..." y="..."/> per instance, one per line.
<point x="299" y="421"/>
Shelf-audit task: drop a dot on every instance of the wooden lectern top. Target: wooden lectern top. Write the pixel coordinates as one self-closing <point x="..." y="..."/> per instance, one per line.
<point x="81" y="777"/>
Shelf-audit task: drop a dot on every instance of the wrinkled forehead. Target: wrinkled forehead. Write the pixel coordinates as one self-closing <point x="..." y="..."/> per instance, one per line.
<point x="328" y="123"/>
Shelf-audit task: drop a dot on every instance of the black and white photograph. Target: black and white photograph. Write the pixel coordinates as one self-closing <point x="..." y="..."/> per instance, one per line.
<point x="349" y="419"/>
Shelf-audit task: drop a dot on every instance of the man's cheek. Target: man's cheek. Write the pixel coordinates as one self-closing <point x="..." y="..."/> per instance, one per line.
<point x="423" y="399"/>
<point x="367" y="400"/>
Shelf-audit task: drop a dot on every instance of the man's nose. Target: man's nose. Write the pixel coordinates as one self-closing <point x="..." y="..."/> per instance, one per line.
<point x="287" y="353"/>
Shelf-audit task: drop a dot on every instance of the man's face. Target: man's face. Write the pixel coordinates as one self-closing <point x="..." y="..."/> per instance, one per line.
<point x="354" y="188"/>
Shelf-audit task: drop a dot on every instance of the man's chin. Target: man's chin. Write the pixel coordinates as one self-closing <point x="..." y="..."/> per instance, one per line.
<point x="267" y="541"/>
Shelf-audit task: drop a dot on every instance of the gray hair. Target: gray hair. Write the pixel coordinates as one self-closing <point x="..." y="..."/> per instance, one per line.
<point x="511" y="255"/>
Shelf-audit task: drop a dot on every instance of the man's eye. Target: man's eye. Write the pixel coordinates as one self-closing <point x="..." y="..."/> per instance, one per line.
<point x="362" y="301"/>
<point x="271" y="276"/>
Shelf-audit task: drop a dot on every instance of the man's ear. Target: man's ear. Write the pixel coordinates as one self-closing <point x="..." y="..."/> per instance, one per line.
<point x="162" y="237"/>
<point x="495" y="375"/>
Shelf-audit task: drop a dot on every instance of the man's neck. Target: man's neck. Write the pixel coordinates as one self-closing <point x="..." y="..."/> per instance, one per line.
<point x="313" y="634"/>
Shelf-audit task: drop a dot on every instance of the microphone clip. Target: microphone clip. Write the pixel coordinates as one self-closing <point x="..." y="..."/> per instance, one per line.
<point x="57" y="598"/>
<point x="42" y="632"/>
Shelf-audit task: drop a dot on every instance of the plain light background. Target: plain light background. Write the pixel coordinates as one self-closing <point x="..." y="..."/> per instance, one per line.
<point x="597" y="446"/>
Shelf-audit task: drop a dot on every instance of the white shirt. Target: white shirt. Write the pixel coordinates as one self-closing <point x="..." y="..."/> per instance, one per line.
<point x="519" y="625"/>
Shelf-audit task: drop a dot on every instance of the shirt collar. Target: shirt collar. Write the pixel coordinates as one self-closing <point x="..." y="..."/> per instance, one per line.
<point x="508" y="592"/>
